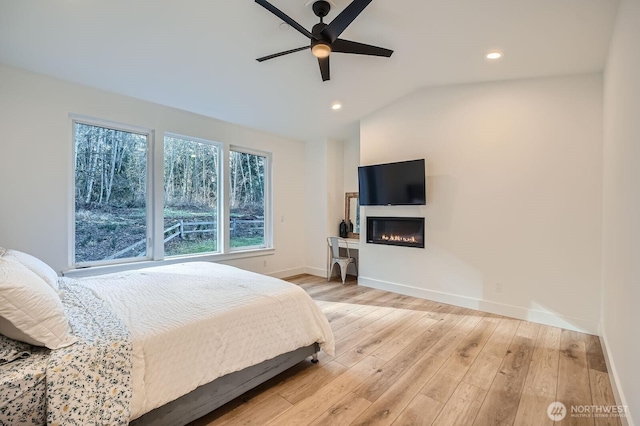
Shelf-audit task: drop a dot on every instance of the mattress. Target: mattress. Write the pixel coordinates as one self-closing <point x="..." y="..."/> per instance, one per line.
<point x="191" y="323"/>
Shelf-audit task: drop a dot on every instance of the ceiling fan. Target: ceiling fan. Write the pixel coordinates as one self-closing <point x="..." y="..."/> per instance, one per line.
<point x="324" y="37"/>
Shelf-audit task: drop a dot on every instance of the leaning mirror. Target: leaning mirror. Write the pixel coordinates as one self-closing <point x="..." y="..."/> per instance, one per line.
<point x="352" y="214"/>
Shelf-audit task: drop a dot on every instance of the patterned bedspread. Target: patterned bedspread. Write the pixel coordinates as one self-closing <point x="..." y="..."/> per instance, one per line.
<point x="87" y="383"/>
<point x="22" y="383"/>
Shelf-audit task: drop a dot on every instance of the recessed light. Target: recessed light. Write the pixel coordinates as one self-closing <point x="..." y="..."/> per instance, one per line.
<point x="336" y="106"/>
<point x="494" y="54"/>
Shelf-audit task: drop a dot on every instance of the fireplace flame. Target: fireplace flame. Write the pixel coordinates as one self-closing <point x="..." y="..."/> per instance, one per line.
<point x="399" y="238"/>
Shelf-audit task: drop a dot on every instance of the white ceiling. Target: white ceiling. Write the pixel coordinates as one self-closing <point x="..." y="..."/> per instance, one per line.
<point x="199" y="55"/>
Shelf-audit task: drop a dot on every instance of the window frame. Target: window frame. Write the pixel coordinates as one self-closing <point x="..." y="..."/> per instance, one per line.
<point x="268" y="210"/>
<point x="150" y="135"/>
<point x="154" y="200"/>
<point x="219" y="206"/>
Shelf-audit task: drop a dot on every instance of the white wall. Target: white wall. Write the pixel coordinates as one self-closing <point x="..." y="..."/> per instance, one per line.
<point x="316" y="211"/>
<point x="36" y="169"/>
<point x="335" y="186"/>
<point x="351" y="163"/>
<point x="514" y="179"/>
<point x="621" y="206"/>
<point x="324" y="201"/>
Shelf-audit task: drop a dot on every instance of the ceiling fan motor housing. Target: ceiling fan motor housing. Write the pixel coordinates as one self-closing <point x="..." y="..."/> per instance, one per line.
<point x="321" y="8"/>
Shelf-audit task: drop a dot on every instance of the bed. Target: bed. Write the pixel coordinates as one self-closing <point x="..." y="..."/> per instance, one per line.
<point x="168" y="344"/>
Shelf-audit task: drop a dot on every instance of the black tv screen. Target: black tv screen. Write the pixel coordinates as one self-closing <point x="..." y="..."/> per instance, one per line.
<point x="394" y="184"/>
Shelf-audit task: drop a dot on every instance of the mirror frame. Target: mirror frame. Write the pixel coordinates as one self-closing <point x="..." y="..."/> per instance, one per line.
<point x="348" y="196"/>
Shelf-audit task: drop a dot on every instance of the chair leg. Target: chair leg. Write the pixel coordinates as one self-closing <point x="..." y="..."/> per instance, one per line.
<point x="343" y="272"/>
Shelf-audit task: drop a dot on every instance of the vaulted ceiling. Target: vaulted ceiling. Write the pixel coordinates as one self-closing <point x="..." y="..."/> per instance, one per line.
<point x="199" y="55"/>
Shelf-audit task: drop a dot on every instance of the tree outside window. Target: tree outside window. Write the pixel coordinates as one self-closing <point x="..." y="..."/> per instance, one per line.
<point x="110" y="194"/>
<point x="191" y="182"/>
<point x="247" y="199"/>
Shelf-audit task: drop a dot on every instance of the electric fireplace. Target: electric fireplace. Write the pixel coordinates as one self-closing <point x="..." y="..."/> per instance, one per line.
<point x="396" y="231"/>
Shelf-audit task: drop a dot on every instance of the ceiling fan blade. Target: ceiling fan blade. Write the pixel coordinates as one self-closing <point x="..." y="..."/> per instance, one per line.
<point x="346" y="46"/>
<point x="342" y="21"/>
<point x="324" y="68"/>
<point x="275" y="55"/>
<point x="280" y="14"/>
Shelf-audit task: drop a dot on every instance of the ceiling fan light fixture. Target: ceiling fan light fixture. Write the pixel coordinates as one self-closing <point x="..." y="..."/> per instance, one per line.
<point x="321" y="50"/>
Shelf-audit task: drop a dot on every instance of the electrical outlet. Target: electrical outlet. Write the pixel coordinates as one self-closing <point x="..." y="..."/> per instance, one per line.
<point x="498" y="287"/>
<point x="264" y="263"/>
<point x="281" y="218"/>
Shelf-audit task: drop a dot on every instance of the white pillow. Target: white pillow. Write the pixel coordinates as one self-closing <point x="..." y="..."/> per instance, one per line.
<point x="30" y="310"/>
<point x="35" y="265"/>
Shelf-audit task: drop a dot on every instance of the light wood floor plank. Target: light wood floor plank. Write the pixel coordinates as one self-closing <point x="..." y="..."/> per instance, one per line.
<point x="462" y="407"/>
<point x="336" y="310"/>
<point x="456" y="335"/>
<point x="363" y="323"/>
<point x="543" y="373"/>
<point x="491" y="369"/>
<point x="378" y="383"/>
<point x="296" y="390"/>
<point x="501" y="404"/>
<point x="528" y="329"/>
<point x="532" y="410"/>
<point x="483" y="370"/>
<point x="501" y="337"/>
<point x="573" y="376"/>
<point x="395" y="345"/>
<point x="344" y="412"/>
<point x="602" y="396"/>
<point x="388" y="407"/>
<point x="350" y="318"/>
<point x="260" y="412"/>
<point x="595" y="356"/>
<point x="363" y="349"/>
<point x="422" y="411"/>
<point x="309" y="409"/>
<point x="255" y="411"/>
<point x="445" y="382"/>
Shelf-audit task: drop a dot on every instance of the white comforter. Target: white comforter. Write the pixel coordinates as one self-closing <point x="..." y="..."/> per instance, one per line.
<point x="191" y="323"/>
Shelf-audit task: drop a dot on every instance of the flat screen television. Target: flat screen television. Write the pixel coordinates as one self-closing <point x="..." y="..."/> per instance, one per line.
<point x="392" y="184"/>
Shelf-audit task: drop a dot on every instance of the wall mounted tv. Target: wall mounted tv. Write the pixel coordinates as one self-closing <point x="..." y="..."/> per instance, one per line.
<point x="392" y="184"/>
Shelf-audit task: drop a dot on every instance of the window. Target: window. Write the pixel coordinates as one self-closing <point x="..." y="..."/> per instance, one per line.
<point x="121" y="179"/>
<point x="111" y="218"/>
<point x="191" y="187"/>
<point x="247" y="199"/>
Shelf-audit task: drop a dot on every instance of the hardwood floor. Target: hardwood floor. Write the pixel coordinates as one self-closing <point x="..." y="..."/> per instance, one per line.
<point x="406" y="361"/>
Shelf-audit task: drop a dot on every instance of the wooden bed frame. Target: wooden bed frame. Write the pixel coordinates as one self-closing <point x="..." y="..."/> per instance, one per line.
<point x="207" y="398"/>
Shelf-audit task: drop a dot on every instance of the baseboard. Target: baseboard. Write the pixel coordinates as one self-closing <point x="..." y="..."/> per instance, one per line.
<point x="304" y="270"/>
<point x="614" y="378"/>
<point x="287" y="273"/>
<point x="541" y="317"/>
<point x="315" y="271"/>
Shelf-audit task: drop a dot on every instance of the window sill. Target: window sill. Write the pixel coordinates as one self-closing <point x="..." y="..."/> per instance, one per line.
<point x="217" y="257"/>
